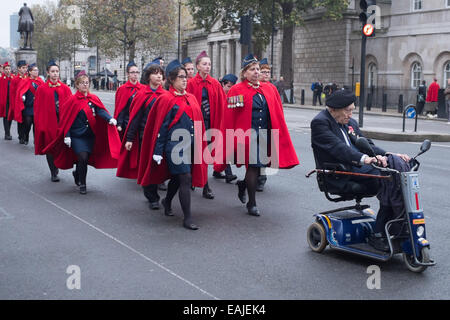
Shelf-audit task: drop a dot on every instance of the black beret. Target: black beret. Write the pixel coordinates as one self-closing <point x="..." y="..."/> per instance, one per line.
<point x="340" y="99"/>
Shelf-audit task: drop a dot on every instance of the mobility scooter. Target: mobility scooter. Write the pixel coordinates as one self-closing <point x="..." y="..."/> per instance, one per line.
<point x="349" y="229"/>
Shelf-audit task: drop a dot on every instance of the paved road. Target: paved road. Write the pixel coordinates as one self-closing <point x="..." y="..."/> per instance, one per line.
<point x="125" y="251"/>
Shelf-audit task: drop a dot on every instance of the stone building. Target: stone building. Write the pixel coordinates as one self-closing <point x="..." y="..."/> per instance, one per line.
<point x="410" y="46"/>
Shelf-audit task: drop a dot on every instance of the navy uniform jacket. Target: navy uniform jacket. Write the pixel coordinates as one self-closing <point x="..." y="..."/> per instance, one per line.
<point x="329" y="144"/>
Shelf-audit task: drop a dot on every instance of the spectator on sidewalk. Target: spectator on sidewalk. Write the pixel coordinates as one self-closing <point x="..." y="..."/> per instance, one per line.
<point x="432" y="98"/>
<point x="421" y="97"/>
<point x="317" y="88"/>
<point x="281" y="86"/>
<point x="447" y="100"/>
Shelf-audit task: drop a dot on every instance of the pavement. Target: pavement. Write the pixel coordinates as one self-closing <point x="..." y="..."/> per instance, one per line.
<point x="391" y="127"/>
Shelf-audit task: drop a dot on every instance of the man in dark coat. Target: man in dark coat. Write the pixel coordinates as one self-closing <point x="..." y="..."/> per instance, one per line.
<point x="333" y="138"/>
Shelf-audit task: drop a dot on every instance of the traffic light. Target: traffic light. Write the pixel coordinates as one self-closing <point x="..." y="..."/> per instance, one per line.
<point x="368" y="29"/>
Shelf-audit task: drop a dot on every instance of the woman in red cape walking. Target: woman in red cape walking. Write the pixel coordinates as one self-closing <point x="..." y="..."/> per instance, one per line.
<point x="5" y="98"/>
<point x="124" y="97"/>
<point x="212" y="101"/>
<point x="255" y="117"/>
<point x="86" y="134"/>
<point x="25" y="98"/>
<point x="47" y="104"/>
<point x="162" y="158"/>
<point x="128" y="164"/>
<point x="18" y="82"/>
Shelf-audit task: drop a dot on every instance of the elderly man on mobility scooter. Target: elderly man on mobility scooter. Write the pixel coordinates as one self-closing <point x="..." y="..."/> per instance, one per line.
<point x="333" y="138"/>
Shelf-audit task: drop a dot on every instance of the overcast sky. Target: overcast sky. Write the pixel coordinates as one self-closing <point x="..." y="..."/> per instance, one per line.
<point x="9" y="7"/>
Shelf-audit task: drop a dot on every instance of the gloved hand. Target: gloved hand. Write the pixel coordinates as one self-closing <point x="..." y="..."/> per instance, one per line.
<point x="113" y="122"/>
<point x="24" y="98"/>
<point x="157" y="158"/>
<point x="119" y="128"/>
<point x="68" y="141"/>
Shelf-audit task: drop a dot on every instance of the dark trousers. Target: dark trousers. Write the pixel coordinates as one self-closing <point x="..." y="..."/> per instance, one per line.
<point x="316" y="95"/>
<point x="7" y="126"/>
<point x="151" y="193"/>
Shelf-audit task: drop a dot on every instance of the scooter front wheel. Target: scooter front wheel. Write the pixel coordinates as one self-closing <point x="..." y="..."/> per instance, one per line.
<point x="316" y="237"/>
<point x="410" y="263"/>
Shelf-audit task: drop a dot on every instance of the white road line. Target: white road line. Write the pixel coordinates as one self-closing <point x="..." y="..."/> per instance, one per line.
<point x="121" y="243"/>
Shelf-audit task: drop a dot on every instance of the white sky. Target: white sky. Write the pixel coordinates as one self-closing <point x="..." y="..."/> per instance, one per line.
<point x="8" y="7"/>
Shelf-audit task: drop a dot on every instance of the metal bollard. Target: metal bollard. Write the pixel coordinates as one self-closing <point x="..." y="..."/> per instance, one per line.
<point x="369" y="101"/>
<point x="384" y="106"/>
<point x="400" y="104"/>
<point x="302" y="100"/>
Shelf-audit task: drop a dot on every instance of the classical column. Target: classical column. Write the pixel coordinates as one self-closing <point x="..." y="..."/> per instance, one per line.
<point x="238" y="51"/>
<point x="215" y="60"/>
<point x="228" y="68"/>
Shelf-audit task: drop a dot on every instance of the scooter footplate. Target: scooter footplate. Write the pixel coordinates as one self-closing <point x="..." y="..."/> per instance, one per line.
<point x="364" y="247"/>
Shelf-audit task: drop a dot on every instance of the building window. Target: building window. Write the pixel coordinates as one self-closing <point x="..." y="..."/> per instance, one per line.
<point x="416" y="75"/>
<point x="417" y="5"/>
<point x="372" y="76"/>
<point x="447" y="3"/>
<point x="446" y="73"/>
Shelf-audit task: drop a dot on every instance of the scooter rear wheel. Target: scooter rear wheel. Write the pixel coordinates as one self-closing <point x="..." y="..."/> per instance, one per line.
<point x="316" y="237"/>
<point x="412" y="266"/>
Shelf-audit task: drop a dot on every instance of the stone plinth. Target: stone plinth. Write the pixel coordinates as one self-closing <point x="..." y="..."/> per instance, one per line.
<point x="30" y="56"/>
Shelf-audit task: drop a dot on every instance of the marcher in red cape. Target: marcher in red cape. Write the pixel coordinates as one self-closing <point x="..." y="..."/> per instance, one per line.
<point x="25" y="98"/>
<point x="16" y="84"/>
<point x="86" y="134"/>
<point x="124" y="97"/>
<point x="254" y="107"/>
<point x="189" y="66"/>
<point x="265" y="74"/>
<point x="212" y="100"/>
<point x="160" y="157"/>
<point x="5" y="98"/>
<point x="50" y="97"/>
<point x="128" y="164"/>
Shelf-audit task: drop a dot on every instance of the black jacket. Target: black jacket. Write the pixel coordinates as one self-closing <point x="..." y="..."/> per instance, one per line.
<point x="329" y="143"/>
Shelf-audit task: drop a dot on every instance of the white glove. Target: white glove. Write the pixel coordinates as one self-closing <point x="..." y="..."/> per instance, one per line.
<point x="157" y="158"/>
<point x="24" y="98"/>
<point x="68" y="141"/>
<point x="113" y="122"/>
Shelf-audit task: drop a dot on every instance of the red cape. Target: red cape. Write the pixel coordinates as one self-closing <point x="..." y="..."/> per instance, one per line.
<point x="128" y="164"/>
<point x="17" y="82"/>
<point x="241" y="118"/>
<point x="107" y="142"/>
<point x="149" y="171"/>
<point x="432" y="94"/>
<point x="4" y="93"/>
<point x="45" y="120"/>
<point x="22" y="87"/>
<point x="123" y="94"/>
<point x="217" y="98"/>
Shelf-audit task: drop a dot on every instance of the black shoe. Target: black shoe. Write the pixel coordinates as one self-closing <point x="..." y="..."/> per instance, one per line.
<point x="379" y="242"/>
<point x="55" y="178"/>
<point x="8" y="137"/>
<point x="76" y="178"/>
<point x="154" y="205"/>
<point x="21" y="141"/>
<point x="192" y="188"/>
<point x="25" y="142"/>
<point x="218" y="175"/>
<point x="261" y="182"/>
<point x="167" y="210"/>
<point x="230" y="178"/>
<point x="83" y="189"/>
<point x="253" y="211"/>
<point x="190" y="226"/>
<point x="207" y="193"/>
<point x="162" y="186"/>
<point x="241" y="191"/>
